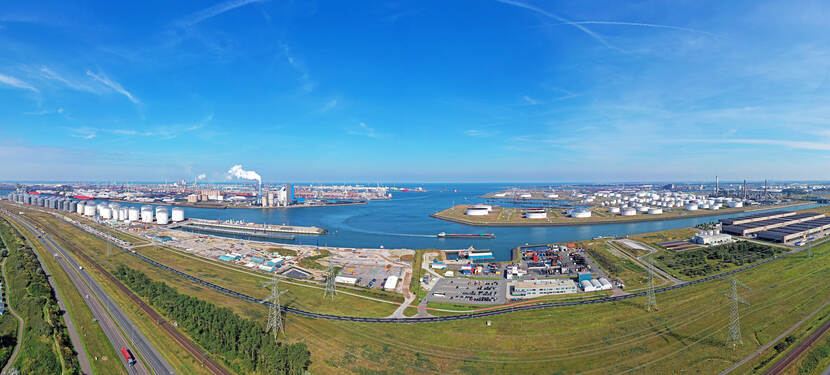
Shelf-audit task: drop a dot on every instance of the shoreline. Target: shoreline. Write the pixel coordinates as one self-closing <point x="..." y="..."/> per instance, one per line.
<point x="607" y="222"/>
<point x="225" y="206"/>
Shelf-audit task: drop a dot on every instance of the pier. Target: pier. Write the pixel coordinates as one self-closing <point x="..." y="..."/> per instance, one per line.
<point x="253" y="227"/>
<point x="235" y="232"/>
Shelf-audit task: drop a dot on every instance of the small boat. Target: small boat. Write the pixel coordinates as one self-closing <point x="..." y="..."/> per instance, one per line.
<point x="466" y="235"/>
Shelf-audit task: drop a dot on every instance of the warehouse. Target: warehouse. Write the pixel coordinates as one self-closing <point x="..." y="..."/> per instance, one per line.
<point x="711" y="237"/>
<point x="762" y="225"/>
<point x="756" y="217"/>
<point x="544" y="287"/>
<point x="795" y="231"/>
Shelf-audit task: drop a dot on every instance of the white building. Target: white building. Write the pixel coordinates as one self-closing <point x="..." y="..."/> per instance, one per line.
<point x="345" y="280"/>
<point x="543" y="287"/>
<point x="711" y="238"/>
<point x="391" y="283"/>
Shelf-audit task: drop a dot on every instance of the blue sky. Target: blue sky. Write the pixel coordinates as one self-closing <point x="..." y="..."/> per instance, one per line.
<point x="415" y="90"/>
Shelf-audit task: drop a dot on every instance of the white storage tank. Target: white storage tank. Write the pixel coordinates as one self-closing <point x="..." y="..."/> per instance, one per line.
<point x="162" y="216"/>
<point x="177" y="214"/>
<point x="146" y="214"/>
<point x="89" y="210"/>
<point x="655" y="211"/>
<point x="629" y="211"/>
<point x="643" y="209"/>
<point x="691" y="207"/>
<point x="580" y="213"/>
<point x="132" y="214"/>
<point x="106" y="213"/>
<point x="736" y="204"/>
<point x="123" y="214"/>
<point x="472" y="211"/>
<point x="80" y="208"/>
<point x="614" y="210"/>
<point x="536" y="214"/>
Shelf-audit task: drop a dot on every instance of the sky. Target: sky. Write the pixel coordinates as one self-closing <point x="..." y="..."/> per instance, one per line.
<point x="421" y="91"/>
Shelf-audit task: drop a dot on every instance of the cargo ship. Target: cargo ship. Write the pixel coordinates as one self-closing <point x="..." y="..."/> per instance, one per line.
<point x="466" y="235"/>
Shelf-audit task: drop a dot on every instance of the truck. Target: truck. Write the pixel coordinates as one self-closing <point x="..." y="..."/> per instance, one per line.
<point x="127" y="355"/>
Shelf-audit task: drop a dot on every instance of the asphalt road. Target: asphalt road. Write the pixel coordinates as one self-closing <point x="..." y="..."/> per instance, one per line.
<point x="19" y="326"/>
<point x="118" y="328"/>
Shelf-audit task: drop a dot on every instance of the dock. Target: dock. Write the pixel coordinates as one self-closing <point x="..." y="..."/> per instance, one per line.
<point x="246" y="227"/>
<point x="235" y="232"/>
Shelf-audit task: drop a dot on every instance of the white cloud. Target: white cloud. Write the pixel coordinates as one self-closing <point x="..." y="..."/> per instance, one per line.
<point x="558" y="18"/>
<point x="306" y="84"/>
<point x="329" y="105"/>
<point x="113" y="85"/>
<point x="213" y="11"/>
<point x="802" y="145"/>
<point x="364" y="130"/>
<point x="530" y="100"/>
<point x="480" y="133"/>
<point x="14" y="82"/>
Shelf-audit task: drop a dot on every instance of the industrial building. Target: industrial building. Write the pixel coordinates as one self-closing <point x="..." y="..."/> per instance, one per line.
<point x="763" y="224"/>
<point x="795" y="231"/>
<point x="542" y="287"/>
<point x="711" y="237"/>
<point x="757" y="217"/>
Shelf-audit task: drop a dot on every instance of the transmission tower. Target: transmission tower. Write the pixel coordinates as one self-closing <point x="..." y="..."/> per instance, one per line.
<point x="651" y="300"/>
<point x="733" y="337"/>
<point x="275" y="320"/>
<point x="331" y="289"/>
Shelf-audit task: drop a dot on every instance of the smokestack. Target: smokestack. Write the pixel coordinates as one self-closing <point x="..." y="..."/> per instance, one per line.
<point x="260" y="194"/>
<point x="717" y="186"/>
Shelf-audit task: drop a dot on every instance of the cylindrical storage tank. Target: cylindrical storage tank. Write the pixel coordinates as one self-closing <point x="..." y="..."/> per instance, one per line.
<point x="106" y="213"/>
<point x="146" y="214"/>
<point x="691" y="207"/>
<point x="89" y="210"/>
<point x="580" y="213"/>
<point x="536" y="214"/>
<point x="614" y="210"/>
<point x="132" y="214"/>
<point x="80" y="208"/>
<point x="177" y="214"/>
<point x="472" y="211"/>
<point x="123" y="213"/>
<point x="629" y="211"/>
<point x="736" y="204"/>
<point x="655" y="211"/>
<point x="642" y="209"/>
<point x="162" y="216"/>
<point x="483" y="206"/>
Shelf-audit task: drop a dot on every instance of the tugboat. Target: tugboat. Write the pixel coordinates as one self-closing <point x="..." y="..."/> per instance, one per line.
<point x="466" y="235"/>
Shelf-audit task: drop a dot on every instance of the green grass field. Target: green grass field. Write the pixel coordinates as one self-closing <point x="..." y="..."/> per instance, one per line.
<point x="685" y="335"/>
<point x="94" y="340"/>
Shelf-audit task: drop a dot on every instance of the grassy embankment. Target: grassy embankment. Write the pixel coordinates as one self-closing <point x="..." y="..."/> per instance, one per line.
<point x="508" y="216"/>
<point x="94" y="340"/>
<point x="687" y="332"/>
<point x="45" y="345"/>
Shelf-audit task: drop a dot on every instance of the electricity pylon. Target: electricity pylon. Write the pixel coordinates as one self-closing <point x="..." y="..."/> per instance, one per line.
<point x="275" y="320"/>
<point x="331" y="288"/>
<point x="733" y="336"/>
<point x="651" y="300"/>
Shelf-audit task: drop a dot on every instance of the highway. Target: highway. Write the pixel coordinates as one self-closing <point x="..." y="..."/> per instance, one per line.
<point x="118" y="328"/>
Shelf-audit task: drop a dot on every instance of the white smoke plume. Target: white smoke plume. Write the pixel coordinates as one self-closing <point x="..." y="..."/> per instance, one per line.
<point x="201" y="176"/>
<point x="238" y="172"/>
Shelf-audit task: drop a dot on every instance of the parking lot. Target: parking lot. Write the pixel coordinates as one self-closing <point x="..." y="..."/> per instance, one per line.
<point x="366" y="273"/>
<point x="480" y="292"/>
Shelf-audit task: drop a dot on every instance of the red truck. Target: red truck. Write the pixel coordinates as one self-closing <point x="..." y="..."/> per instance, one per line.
<point x="127" y="355"/>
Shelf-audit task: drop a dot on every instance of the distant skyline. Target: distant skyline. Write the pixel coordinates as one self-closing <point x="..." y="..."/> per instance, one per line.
<point x="408" y="91"/>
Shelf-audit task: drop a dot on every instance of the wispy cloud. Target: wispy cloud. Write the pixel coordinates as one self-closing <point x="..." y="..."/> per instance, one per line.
<point x="481" y="133"/>
<point x="162" y="132"/>
<point x="213" y="11"/>
<point x="106" y="81"/>
<point x="530" y="100"/>
<point x="554" y="16"/>
<point x="640" y="24"/>
<point x="306" y="84"/>
<point x="15" y="82"/>
<point x="802" y="145"/>
<point x="364" y="130"/>
<point x="50" y="74"/>
<point x="329" y="105"/>
<point x="45" y="112"/>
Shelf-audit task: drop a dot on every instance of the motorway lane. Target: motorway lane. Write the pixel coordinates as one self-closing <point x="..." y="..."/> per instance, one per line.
<point x="107" y="311"/>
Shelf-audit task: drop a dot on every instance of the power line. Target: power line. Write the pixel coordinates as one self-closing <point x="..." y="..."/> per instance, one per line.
<point x="651" y="299"/>
<point x="733" y="337"/>
<point x="275" y="319"/>
<point x="331" y="288"/>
